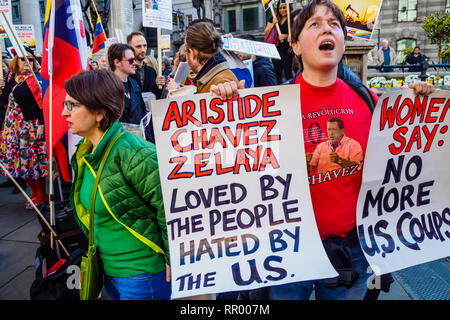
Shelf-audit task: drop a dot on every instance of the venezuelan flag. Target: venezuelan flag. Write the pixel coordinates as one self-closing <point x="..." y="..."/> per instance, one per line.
<point x="99" y="36"/>
<point x="64" y="55"/>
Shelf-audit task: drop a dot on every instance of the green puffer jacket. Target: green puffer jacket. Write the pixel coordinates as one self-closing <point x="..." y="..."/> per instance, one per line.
<point x="129" y="186"/>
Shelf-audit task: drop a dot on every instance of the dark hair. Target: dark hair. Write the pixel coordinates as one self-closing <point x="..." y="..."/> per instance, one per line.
<point x="202" y="36"/>
<point x="247" y="37"/>
<point x="134" y="33"/>
<point x="117" y="51"/>
<point x="339" y="121"/>
<point x="98" y="90"/>
<point x="308" y="11"/>
<point x="278" y="10"/>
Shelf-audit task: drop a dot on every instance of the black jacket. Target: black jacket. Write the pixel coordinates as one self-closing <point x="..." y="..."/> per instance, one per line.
<point x="134" y="109"/>
<point x="148" y="84"/>
<point x="263" y="74"/>
<point x="24" y="98"/>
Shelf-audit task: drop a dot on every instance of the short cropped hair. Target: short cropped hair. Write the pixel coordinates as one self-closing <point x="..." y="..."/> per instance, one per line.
<point x="338" y="120"/>
<point x="134" y="33"/>
<point x="99" y="90"/>
<point x="117" y="51"/>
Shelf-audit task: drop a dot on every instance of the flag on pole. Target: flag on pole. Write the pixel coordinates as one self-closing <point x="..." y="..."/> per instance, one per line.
<point x="65" y="54"/>
<point x="99" y="36"/>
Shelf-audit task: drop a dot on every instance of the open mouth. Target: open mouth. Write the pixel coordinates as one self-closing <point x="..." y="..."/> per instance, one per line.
<point x="326" y="45"/>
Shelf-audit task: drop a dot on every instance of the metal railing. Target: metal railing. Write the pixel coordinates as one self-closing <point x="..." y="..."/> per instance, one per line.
<point x="423" y="67"/>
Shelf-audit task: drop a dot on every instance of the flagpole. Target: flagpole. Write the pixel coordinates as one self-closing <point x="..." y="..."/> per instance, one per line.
<point x="158" y="39"/>
<point x="24" y="54"/>
<point x="95" y="8"/>
<point x="274" y="15"/>
<point x="34" y="207"/>
<point x="289" y="22"/>
<point x="50" y="73"/>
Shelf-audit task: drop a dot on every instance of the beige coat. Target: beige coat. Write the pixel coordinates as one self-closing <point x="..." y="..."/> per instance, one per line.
<point x="379" y="57"/>
<point x="219" y="74"/>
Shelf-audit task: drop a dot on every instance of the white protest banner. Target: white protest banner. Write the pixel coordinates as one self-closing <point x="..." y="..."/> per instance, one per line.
<point x="257" y="48"/>
<point x="165" y="42"/>
<point x="267" y="4"/>
<point x="249" y="65"/>
<point x="182" y="72"/>
<point x="12" y="34"/>
<point x="110" y="42"/>
<point x="157" y="14"/>
<point x="403" y="215"/>
<point x="5" y="6"/>
<point x="360" y="16"/>
<point x="236" y="195"/>
<point x="25" y="32"/>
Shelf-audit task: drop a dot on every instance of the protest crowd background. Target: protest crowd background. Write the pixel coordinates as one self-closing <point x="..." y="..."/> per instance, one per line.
<point x="103" y="142"/>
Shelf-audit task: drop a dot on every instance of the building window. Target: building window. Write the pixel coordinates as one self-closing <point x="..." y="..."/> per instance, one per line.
<point x="42" y="8"/>
<point x="407" y="10"/>
<point x="175" y="20"/>
<point x="188" y="19"/>
<point x="250" y="15"/>
<point x="15" y="13"/>
<point x="230" y="19"/>
<point x="402" y="44"/>
<point x="267" y="17"/>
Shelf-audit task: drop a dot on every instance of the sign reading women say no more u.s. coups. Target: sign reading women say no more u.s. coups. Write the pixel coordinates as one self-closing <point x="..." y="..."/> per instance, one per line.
<point x="233" y="176"/>
<point x="403" y="215"/>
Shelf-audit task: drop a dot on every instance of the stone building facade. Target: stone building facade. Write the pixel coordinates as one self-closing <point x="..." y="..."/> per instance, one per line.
<point x="400" y="23"/>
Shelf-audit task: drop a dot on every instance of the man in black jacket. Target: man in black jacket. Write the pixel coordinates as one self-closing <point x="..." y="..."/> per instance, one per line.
<point x="145" y="75"/>
<point x="122" y="62"/>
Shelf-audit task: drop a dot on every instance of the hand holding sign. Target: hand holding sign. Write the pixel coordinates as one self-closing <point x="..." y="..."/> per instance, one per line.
<point x="227" y="90"/>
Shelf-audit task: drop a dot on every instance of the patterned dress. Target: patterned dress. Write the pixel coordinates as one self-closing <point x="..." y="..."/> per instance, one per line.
<point x="22" y="154"/>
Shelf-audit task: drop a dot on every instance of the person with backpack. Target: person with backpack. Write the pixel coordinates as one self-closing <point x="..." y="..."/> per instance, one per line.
<point x="318" y="39"/>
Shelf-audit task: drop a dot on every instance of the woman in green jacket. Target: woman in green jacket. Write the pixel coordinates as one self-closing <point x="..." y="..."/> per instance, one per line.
<point x="129" y="221"/>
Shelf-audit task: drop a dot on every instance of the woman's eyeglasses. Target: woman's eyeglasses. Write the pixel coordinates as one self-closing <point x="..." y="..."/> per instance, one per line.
<point x="69" y="105"/>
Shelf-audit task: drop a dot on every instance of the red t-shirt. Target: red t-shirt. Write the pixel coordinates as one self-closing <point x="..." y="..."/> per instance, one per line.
<point x="334" y="193"/>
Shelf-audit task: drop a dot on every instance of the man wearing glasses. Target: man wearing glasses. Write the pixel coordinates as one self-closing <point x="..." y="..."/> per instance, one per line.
<point x="145" y="75"/>
<point x="123" y="63"/>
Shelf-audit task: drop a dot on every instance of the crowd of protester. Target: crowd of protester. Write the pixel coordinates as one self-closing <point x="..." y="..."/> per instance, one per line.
<point x="130" y="226"/>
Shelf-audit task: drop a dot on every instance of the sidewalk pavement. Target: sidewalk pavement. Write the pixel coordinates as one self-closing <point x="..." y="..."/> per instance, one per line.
<point x="18" y="243"/>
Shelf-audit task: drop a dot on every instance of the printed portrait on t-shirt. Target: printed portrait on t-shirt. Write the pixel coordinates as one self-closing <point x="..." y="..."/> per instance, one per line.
<point x="339" y="151"/>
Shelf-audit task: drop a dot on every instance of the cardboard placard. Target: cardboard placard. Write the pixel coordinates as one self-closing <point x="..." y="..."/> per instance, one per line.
<point x="236" y="197"/>
<point x="403" y="214"/>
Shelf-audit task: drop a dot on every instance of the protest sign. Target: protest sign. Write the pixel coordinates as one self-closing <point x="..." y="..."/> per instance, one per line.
<point x="182" y="72"/>
<point x="403" y="215"/>
<point x="361" y="16"/>
<point x="236" y="195"/>
<point x="165" y="42"/>
<point x="157" y="14"/>
<point x="257" y="48"/>
<point x="267" y="4"/>
<point x="5" y="6"/>
<point x="12" y="35"/>
<point x="110" y="42"/>
<point x="25" y="32"/>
